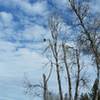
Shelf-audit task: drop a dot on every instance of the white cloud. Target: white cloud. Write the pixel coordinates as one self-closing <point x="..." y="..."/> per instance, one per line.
<point x="6" y="24"/>
<point x="35" y="31"/>
<point x="36" y="8"/>
<point x="16" y="63"/>
<point x="96" y="6"/>
<point x="6" y="18"/>
<point x="61" y="3"/>
<point x="39" y="7"/>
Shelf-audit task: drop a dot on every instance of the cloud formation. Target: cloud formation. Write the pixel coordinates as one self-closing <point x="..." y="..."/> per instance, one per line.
<point x="23" y="24"/>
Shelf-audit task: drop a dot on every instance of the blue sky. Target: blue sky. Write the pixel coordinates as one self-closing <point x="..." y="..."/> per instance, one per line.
<point x="22" y="25"/>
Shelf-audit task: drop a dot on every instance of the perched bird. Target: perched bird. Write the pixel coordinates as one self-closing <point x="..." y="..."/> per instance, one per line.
<point x="44" y="39"/>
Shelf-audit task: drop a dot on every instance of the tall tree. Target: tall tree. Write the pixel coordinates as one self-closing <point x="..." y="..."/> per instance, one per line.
<point x="78" y="75"/>
<point x="90" y="28"/>
<point x="67" y="69"/>
<point x="53" y="43"/>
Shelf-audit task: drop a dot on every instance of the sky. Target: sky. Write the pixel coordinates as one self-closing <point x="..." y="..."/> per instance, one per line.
<point x="23" y="24"/>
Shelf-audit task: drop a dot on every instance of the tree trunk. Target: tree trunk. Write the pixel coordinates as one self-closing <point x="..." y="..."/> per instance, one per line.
<point x="45" y="95"/>
<point x="58" y="73"/>
<point x="54" y="26"/>
<point x="78" y="76"/>
<point x="98" y="83"/>
<point x="68" y="73"/>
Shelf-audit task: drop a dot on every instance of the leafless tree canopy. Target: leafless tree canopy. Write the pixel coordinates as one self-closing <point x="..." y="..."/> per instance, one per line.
<point x="63" y="55"/>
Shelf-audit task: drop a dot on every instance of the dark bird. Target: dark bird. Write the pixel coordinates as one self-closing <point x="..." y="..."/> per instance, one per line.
<point x="44" y="40"/>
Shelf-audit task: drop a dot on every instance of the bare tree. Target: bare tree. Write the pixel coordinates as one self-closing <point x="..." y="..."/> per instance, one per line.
<point x="44" y="88"/>
<point x="78" y="75"/>
<point x="39" y="89"/>
<point x="67" y="70"/>
<point x="54" y="28"/>
<point x="90" y="31"/>
<point x="45" y="84"/>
